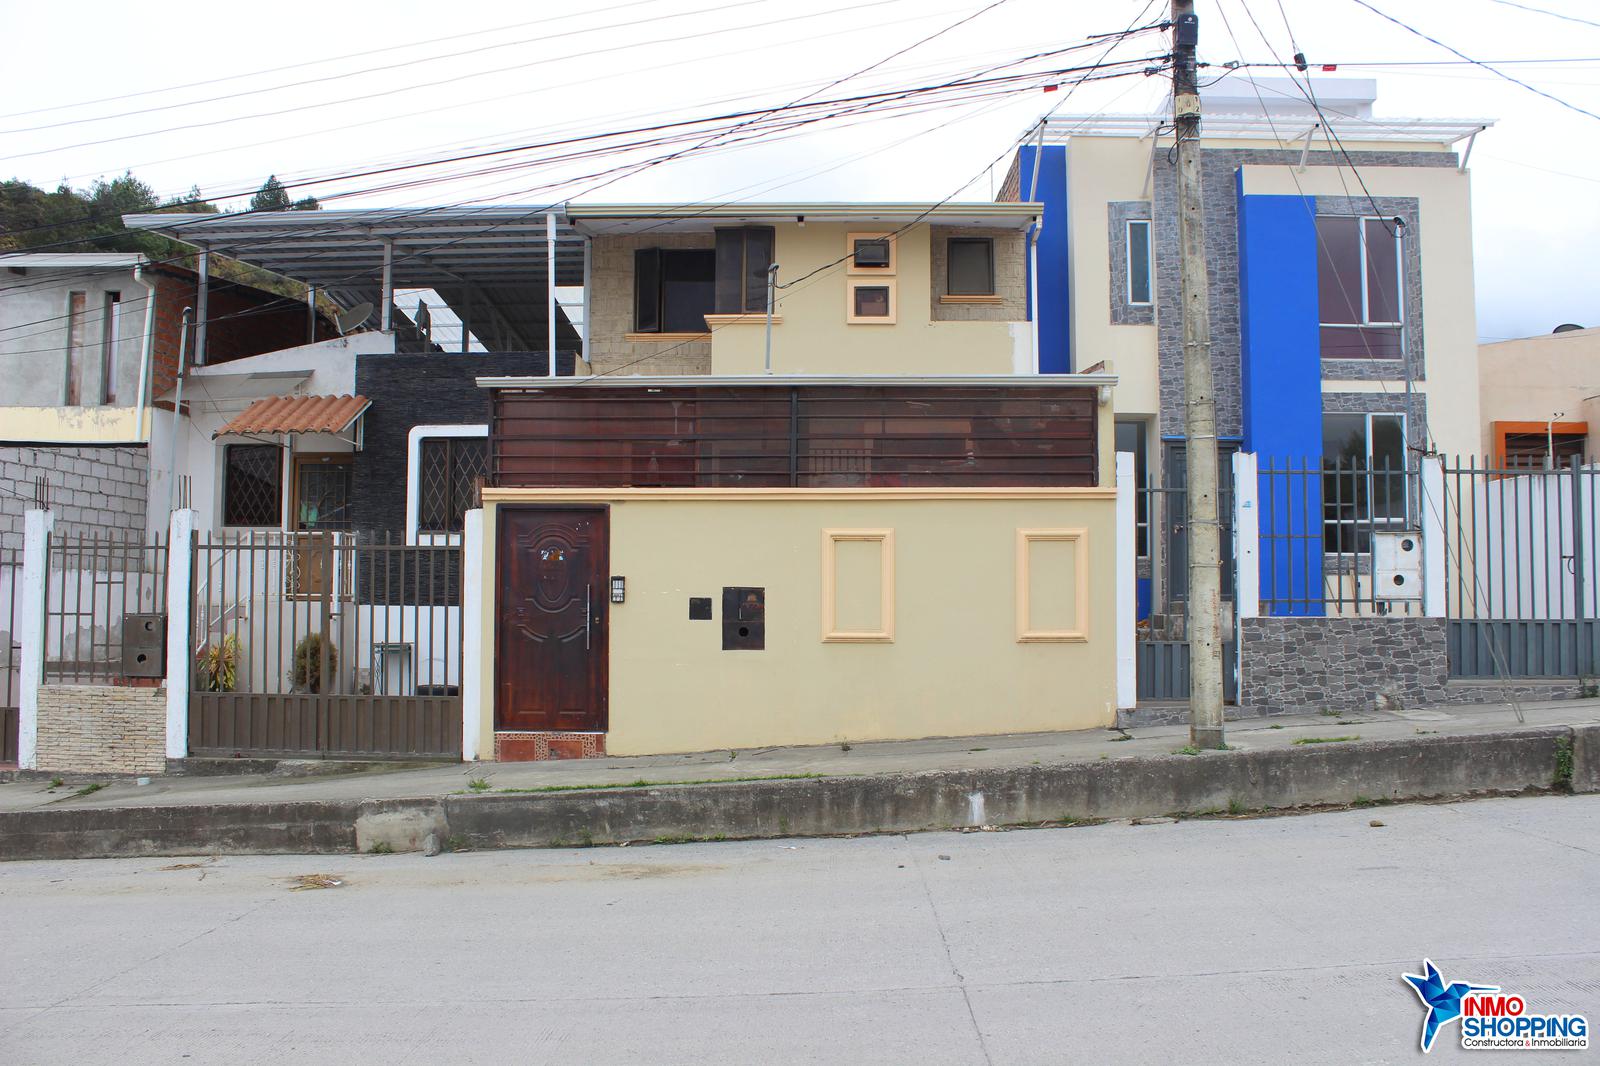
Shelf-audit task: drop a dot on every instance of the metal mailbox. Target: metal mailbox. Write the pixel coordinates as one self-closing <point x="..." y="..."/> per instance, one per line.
<point x="744" y="618"/>
<point x="144" y="645"/>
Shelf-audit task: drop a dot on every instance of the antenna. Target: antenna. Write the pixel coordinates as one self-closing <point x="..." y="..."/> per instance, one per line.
<point x="353" y="318"/>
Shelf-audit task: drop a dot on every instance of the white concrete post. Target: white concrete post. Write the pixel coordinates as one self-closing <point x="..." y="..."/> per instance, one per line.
<point x="180" y="577"/>
<point x="1246" y="536"/>
<point x="550" y="286"/>
<point x="35" y="572"/>
<point x="1434" y="544"/>
<point x="472" y="578"/>
<point x="1127" y="584"/>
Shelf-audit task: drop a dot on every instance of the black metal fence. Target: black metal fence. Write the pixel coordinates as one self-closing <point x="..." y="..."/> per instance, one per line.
<point x="93" y="582"/>
<point x="10" y="649"/>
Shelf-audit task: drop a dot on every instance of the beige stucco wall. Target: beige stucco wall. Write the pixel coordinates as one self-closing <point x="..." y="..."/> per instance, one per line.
<point x="1449" y="316"/>
<point x="1101" y="170"/>
<point x="955" y="666"/>
<point x="1531" y="379"/>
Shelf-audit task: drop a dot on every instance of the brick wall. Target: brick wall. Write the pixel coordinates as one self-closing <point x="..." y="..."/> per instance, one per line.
<point x="102" y="729"/>
<point x="1010" y="275"/>
<point x="91" y="489"/>
<point x="611" y="310"/>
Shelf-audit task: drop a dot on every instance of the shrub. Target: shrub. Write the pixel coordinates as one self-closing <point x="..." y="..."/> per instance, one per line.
<point x="307" y="673"/>
<point x="217" y="665"/>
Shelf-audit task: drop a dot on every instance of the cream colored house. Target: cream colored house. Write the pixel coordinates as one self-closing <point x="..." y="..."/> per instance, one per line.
<point x="1539" y="396"/>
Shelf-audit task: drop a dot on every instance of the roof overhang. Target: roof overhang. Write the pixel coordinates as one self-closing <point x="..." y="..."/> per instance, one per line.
<point x="1285" y="129"/>
<point x="72" y="260"/>
<point x="626" y="218"/>
<point x="296" y="414"/>
<point x="661" y="381"/>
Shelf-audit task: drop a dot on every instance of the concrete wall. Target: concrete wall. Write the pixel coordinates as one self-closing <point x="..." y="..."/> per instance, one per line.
<point x="34" y="336"/>
<point x="955" y="664"/>
<point x="91" y="489"/>
<point x="1533" y="379"/>
<point x="102" y="729"/>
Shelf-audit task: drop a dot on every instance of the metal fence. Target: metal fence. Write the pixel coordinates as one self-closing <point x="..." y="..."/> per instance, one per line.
<point x="1520" y="568"/>
<point x="326" y="643"/>
<point x="93" y="582"/>
<point x="1162" y="670"/>
<point x="1324" y="534"/>
<point x="10" y="659"/>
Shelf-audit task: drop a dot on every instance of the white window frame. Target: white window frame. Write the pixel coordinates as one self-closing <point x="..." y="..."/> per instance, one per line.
<point x="414" y="477"/>
<point x="1375" y="524"/>
<point x="1399" y="278"/>
<point x="1149" y="260"/>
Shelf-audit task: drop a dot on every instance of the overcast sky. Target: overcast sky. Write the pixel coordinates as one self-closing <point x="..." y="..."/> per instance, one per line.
<point x="612" y="64"/>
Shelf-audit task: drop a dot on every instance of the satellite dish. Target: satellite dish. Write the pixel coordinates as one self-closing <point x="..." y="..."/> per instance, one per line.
<point x="1567" y="327"/>
<point x="349" y="320"/>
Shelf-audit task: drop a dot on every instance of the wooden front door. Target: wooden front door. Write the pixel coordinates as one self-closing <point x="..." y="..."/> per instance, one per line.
<point x="550" y="620"/>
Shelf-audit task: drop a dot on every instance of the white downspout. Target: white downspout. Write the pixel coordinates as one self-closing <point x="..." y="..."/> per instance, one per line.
<point x="149" y="345"/>
<point x="1036" y="228"/>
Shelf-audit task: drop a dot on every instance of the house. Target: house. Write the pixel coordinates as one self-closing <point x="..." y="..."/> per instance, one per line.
<point x="1341" y="303"/>
<point x="1539" y="396"/>
<point x="668" y="471"/>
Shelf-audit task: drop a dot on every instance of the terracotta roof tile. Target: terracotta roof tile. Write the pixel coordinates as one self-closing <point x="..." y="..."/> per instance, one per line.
<point x="298" y="414"/>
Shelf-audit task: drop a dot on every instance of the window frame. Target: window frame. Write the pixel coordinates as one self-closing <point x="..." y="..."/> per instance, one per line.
<point x="110" y="346"/>
<point x="1363" y="519"/>
<point x="1364" y="264"/>
<point x="224" y="496"/>
<point x="415" y="438"/>
<point x="1141" y="481"/>
<point x="77" y="316"/>
<point x="887" y="284"/>
<point x="1149" y="261"/>
<point x="658" y="259"/>
<point x="891" y="270"/>
<point x="748" y="303"/>
<point x="950" y="260"/>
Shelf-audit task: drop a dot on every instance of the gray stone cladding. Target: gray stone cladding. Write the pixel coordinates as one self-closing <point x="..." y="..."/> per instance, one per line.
<point x="1305" y="665"/>
<point x="91" y="489"/>
<point x="1385" y="403"/>
<point x="1123" y="313"/>
<point x="1219" y="167"/>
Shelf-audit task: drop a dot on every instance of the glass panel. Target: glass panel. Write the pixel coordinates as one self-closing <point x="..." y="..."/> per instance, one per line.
<point x="872" y="253"/>
<point x="1361" y="342"/>
<point x="433" y="485"/>
<point x="1138" y="262"/>
<point x="469" y="467"/>
<point x="1338" y="270"/>
<point x="872" y="301"/>
<point x="757" y="258"/>
<point x="1388" y="467"/>
<point x="1383" y="271"/>
<point x="971" y="266"/>
<point x="688" y="289"/>
<point x="647" y="290"/>
<point x="730" y="271"/>
<point x="252" y="485"/>
<point x="322" y="490"/>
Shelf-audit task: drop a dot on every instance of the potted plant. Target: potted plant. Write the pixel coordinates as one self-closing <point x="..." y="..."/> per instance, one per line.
<point x="307" y="672"/>
<point x="218" y="665"/>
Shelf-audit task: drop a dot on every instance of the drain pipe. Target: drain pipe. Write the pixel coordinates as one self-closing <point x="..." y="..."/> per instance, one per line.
<point x="149" y="345"/>
<point x="1035" y="228"/>
<point x="772" y="292"/>
<point x="177" y="408"/>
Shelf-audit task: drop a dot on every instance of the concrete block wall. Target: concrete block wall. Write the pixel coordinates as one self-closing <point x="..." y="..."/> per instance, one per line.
<point x="1010" y="276"/>
<point x="611" y="311"/>
<point x="102" y="729"/>
<point x="92" y="489"/>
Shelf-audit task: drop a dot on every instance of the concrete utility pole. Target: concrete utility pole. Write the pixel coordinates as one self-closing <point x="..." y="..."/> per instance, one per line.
<point x="1205" y="562"/>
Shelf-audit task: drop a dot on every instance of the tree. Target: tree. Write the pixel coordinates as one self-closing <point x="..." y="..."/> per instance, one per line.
<point x="271" y="196"/>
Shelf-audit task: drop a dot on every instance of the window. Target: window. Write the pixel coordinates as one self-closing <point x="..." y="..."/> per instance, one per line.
<point x="971" y="266"/>
<point x="743" y="258"/>
<point x="252" y="485"/>
<point x="673" y="289"/>
<point x="1139" y="281"/>
<point x="448" y="475"/>
<point x="870" y="302"/>
<point x="77" y="306"/>
<point x="871" y="252"/>
<point x="1538" y="448"/>
<point x="110" y="329"/>
<point x="1358" y="287"/>
<point x="1130" y="438"/>
<point x="1364" y="482"/>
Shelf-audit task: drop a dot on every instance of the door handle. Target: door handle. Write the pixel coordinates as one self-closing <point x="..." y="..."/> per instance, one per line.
<point x="588" y="592"/>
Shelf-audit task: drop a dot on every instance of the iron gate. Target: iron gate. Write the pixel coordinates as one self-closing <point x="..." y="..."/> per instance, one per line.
<point x="10" y="660"/>
<point x="326" y="644"/>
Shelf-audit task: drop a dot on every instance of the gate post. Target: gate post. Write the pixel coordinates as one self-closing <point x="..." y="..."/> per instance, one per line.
<point x="180" y="581"/>
<point x="1127" y="584"/>
<point x="472" y="579"/>
<point x="1434" y="545"/>
<point x="1246" y="537"/>
<point x="36" y="529"/>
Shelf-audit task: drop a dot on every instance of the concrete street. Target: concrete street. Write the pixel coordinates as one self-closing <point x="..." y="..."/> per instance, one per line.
<point x="1221" y="941"/>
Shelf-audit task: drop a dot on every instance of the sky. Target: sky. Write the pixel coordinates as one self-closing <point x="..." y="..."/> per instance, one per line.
<point x="172" y="92"/>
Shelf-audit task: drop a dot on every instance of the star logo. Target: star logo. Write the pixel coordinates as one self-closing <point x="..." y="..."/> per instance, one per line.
<point x="1442" y="1001"/>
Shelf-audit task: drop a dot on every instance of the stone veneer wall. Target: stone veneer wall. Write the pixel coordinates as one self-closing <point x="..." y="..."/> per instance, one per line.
<point x="91" y="489"/>
<point x="1010" y="276"/>
<point x="102" y="729"/>
<point x="1118" y="214"/>
<point x="611" y="311"/>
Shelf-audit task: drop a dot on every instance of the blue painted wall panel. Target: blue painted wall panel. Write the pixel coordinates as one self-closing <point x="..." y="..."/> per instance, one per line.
<point x="1055" y="309"/>
<point x="1281" y="378"/>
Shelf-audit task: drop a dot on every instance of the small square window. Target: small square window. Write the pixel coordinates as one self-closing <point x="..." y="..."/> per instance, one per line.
<point x="872" y="253"/>
<point x="871" y="302"/>
<point x="971" y="266"/>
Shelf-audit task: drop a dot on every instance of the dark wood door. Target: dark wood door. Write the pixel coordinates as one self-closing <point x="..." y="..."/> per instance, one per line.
<point x="550" y="632"/>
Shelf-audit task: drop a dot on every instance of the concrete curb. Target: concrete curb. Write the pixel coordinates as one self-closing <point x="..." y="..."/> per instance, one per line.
<point x="1269" y="780"/>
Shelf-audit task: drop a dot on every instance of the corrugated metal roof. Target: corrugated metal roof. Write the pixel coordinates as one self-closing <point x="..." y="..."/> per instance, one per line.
<point x="298" y="414"/>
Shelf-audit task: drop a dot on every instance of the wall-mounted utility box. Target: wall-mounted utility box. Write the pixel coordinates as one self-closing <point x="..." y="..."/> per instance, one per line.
<point x="744" y="619"/>
<point x="144" y="645"/>
<point x="1397" y="565"/>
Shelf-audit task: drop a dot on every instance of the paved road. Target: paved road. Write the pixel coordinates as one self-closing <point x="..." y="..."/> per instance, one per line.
<point x="1260" y="941"/>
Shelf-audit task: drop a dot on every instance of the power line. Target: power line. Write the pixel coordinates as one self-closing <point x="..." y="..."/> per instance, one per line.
<point x="1546" y="11"/>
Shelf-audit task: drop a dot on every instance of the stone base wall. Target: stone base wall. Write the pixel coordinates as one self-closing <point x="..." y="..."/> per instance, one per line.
<point x="1304" y="665"/>
<point x="102" y="729"/>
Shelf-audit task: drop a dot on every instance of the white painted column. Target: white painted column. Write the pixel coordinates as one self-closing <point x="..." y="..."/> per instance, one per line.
<point x="35" y="571"/>
<point x="1434" y="545"/>
<point x="180" y="577"/>
<point x="202" y="308"/>
<point x="1127" y="584"/>
<point x="472" y="680"/>
<point x="1246" y="536"/>
<point x="588" y="293"/>
<point x="550" y="284"/>
<point x="386" y="288"/>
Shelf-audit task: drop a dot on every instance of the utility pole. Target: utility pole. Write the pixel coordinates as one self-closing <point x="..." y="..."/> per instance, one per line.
<point x="1200" y="406"/>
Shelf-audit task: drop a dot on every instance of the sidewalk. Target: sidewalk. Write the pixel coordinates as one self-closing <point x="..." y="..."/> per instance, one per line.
<point x="966" y="754"/>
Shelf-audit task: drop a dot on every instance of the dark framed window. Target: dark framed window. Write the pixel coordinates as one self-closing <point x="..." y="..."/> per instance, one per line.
<point x="1139" y="284"/>
<point x="673" y="289"/>
<point x="744" y="255"/>
<point x="871" y="252"/>
<point x="449" y="471"/>
<point x="1536" y="451"/>
<point x="971" y="266"/>
<point x="1364" y="481"/>
<point x="252" y="485"/>
<point x="1358" y="287"/>
<point x="871" y="301"/>
<point x="1131" y="438"/>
